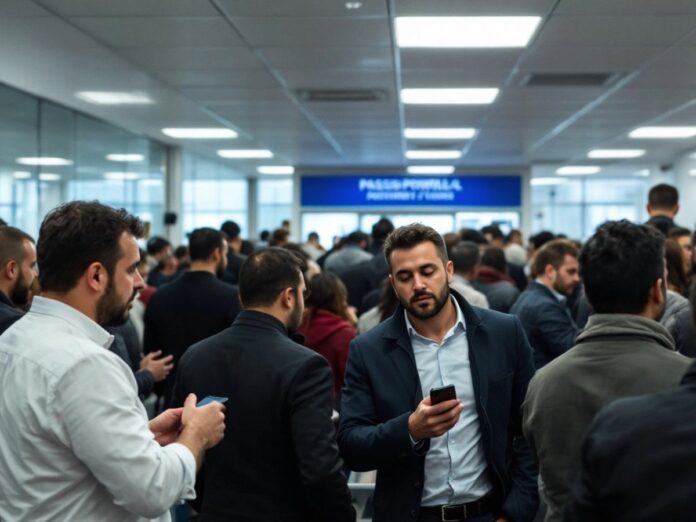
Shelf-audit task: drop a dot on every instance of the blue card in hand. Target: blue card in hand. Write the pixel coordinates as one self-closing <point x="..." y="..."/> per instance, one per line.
<point x="211" y="398"/>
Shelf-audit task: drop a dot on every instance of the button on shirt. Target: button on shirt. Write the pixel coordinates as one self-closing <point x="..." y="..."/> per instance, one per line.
<point x="455" y="465"/>
<point x="74" y="437"/>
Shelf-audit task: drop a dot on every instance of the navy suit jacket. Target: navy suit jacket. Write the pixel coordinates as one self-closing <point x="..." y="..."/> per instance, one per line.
<point x="547" y="322"/>
<point x="382" y="389"/>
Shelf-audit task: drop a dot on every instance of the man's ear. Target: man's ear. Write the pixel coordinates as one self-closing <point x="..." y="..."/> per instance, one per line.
<point x="11" y="270"/>
<point x="286" y="298"/>
<point x="97" y="277"/>
<point x="449" y="270"/>
<point x="656" y="295"/>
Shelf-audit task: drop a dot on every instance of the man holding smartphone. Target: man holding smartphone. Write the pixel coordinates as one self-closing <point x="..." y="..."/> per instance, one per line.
<point x="462" y="458"/>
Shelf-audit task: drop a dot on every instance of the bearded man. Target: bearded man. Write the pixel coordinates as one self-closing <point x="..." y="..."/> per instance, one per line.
<point x="542" y="306"/>
<point x="17" y="274"/>
<point x="461" y="459"/>
<point x="280" y="459"/>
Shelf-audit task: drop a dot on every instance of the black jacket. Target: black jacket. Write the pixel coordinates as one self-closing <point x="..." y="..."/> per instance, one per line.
<point x="547" y="321"/>
<point x="383" y="388"/>
<point x="365" y="277"/>
<point x="662" y="223"/>
<point x="684" y="333"/>
<point x="279" y="460"/>
<point x="639" y="460"/>
<point x="127" y="346"/>
<point x="234" y="267"/>
<point x="195" y="306"/>
<point x="8" y="313"/>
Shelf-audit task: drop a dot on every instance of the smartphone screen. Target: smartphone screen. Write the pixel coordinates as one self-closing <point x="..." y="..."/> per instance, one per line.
<point x="445" y="393"/>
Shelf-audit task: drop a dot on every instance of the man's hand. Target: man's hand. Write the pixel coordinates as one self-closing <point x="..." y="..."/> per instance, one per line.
<point x="430" y="421"/>
<point x="159" y="368"/>
<point x="207" y="422"/>
<point x="167" y="426"/>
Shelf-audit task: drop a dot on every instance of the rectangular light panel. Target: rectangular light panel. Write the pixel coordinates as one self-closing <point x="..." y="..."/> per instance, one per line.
<point x="615" y="153"/>
<point x="276" y="169"/>
<point x="121" y="176"/>
<point x="430" y="169"/>
<point x="663" y="132"/>
<point x="126" y="158"/>
<point x="433" y="154"/>
<point x="245" y="153"/>
<point x="44" y="161"/>
<point x="577" y="170"/>
<point x="463" y="133"/>
<point x="457" y="96"/>
<point x="114" y="98"/>
<point x="200" y="133"/>
<point x="465" y="31"/>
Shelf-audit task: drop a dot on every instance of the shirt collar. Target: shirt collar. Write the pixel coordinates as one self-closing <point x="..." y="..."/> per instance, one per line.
<point x="561" y="298"/>
<point x="54" y="308"/>
<point x="460" y="321"/>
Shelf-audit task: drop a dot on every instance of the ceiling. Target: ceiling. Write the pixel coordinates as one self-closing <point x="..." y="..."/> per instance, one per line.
<point x="240" y="62"/>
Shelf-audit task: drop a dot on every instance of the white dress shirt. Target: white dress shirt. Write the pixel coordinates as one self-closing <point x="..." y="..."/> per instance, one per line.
<point x="455" y="465"/>
<point x="74" y="437"/>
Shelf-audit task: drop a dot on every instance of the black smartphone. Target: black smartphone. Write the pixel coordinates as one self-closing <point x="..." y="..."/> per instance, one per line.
<point x="445" y="393"/>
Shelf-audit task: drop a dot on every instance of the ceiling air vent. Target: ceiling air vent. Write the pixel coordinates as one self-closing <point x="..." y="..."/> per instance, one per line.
<point x="569" y="79"/>
<point x="342" y="95"/>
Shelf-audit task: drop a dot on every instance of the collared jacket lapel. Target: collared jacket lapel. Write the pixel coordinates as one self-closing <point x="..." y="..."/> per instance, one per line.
<point x="400" y="352"/>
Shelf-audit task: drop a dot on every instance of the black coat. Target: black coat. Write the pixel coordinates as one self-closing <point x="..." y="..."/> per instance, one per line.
<point x="382" y="389"/>
<point x="547" y="321"/>
<point x="279" y="459"/>
<point x="127" y="346"/>
<point x="8" y="313"/>
<point x="684" y="333"/>
<point x="639" y="460"/>
<point x="234" y="267"/>
<point x="195" y="306"/>
<point x="365" y="277"/>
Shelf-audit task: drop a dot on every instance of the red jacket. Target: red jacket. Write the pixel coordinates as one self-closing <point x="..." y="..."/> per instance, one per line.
<point x="330" y="336"/>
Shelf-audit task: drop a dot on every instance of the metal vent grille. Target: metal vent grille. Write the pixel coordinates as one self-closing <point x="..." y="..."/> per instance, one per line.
<point x="569" y="79"/>
<point x="342" y="95"/>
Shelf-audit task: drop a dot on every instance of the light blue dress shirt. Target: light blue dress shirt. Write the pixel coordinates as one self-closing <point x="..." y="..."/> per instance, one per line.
<point x="455" y="465"/>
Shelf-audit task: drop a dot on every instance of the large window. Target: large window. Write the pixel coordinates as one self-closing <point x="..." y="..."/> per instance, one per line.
<point x="212" y="194"/>
<point x="91" y="160"/>
<point x="274" y="202"/>
<point x="577" y="206"/>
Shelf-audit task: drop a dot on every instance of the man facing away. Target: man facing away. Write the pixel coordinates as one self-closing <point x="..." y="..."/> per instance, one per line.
<point x="75" y="442"/>
<point x="542" y="306"/>
<point x="279" y="460"/>
<point x="461" y="459"/>
<point x="662" y="207"/>
<point x="17" y="274"/>
<point x="195" y="306"/>
<point x="466" y="258"/>
<point x="623" y="351"/>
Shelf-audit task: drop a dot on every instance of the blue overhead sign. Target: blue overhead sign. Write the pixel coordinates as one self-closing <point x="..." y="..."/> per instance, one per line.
<point x="411" y="191"/>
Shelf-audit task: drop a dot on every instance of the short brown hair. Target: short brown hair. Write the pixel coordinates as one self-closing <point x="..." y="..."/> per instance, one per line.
<point x="405" y="238"/>
<point x="553" y="253"/>
<point x="77" y="234"/>
<point x="12" y="244"/>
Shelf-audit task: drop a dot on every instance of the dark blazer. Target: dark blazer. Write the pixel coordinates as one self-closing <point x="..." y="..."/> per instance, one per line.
<point x="638" y="460"/>
<point x="547" y="321"/>
<point x="684" y="333"/>
<point x="234" y="267"/>
<point x="279" y="460"/>
<point x="365" y="277"/>
<point x="383" y="389"/>
<point x="8" y="313"/>
<point x="127" y="346"/>
<point x="195" y="306"/>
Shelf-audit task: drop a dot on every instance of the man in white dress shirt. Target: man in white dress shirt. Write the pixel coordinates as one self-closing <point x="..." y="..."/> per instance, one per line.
<point x="75" y="442"/>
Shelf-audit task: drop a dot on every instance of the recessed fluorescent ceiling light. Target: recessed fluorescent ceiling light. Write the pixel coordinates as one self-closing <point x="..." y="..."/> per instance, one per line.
<point x="663" y="132"/>
<point x="121" y="176"/>
<point x="46" y="176"/>
<point x="577" y="169"/>
<point x="615" y="153"/>
<point x="463" y="96"/>
<point x="21" y="174"/>
<point x="692" y="172"/>
<point x="465" y="31"/>
<point x="430" y="170"/>
<point x="129" y="158"/>
<point x="115" y="98"/>
<point x="245" y="153"/>
<point x="150" y="182"/>
<point x="44" y="161"/>
<point x="353" y="5"/>
<point x="436" y="134"/>
<point x="279" y="169"/>
<point x="201" y="133"/>
<point x="644" y="173"/>
<point x="433" y="154"/>
<point x="540" y="182"/>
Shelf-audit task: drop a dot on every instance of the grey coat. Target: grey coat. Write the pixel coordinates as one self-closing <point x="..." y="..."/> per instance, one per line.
<point x="615" y="356"/>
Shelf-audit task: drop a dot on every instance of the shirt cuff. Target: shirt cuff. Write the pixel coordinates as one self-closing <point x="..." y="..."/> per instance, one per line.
<point x="189" y="464"/>
<point x="416" y="445"/>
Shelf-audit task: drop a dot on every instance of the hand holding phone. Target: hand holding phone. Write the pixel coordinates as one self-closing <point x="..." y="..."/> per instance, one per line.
<point x="211" y="398"/>
<point x="442" y="394"/>
<point x="436" y="414"/>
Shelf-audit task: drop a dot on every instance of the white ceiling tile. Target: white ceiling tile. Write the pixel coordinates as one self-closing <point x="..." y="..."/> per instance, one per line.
<point x="453" y="77"/>
<point x="223" y="96"/>
<point x="329" y="57"/>
<point x="193" y="58"/>
<point x="21" y="8"/>
<point x="557" y="58"/>
<point x="160" y="32"/>
<point x="294" y="8"/>
<point x="622" y="7"/>
<point x="472" y="7"/>
<point x="337" y="79"/>
<point x="220" y="77"/>
<point x="314" y="32"/>
<point x="71" y="8"/>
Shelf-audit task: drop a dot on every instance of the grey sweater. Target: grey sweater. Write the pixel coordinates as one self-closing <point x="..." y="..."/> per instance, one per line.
<point x="615" y="356"/>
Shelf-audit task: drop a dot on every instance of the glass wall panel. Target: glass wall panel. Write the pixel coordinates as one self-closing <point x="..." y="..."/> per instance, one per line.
<point x="211" y="195"/>
<point x="329" y="225"/>
<point x="274" y="203"/>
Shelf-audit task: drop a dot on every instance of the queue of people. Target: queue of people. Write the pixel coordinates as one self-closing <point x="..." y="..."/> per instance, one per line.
<point x="479" y="379"/>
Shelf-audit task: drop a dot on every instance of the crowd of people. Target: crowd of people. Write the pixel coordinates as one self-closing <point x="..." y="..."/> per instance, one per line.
<point x="248" y="379"/>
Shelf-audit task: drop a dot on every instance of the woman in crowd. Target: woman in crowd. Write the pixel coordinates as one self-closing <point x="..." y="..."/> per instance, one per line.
<point x="329" y="324"/>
